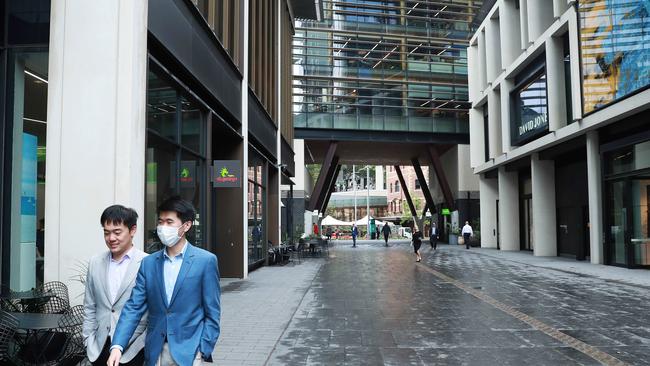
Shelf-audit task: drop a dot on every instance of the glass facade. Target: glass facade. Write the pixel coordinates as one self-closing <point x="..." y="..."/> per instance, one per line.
<point x="383" y="65"/>
<point x="615" y="42"/>
<point x="175" y="154"/>
<point x="24" y="79"/>
<point x="257" y="182"/>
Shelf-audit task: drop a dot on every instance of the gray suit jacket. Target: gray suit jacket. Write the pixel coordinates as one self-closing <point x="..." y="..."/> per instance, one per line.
<point x="102" y="314"/>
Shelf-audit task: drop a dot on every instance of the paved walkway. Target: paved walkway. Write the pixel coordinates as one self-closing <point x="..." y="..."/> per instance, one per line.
<point x="373" y="305"/>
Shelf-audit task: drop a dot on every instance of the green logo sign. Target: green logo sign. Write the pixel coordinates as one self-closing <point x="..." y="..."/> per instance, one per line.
<point x="224" y="172"/>
<point x="445" y="212"/>
<point x="185" y="173"/>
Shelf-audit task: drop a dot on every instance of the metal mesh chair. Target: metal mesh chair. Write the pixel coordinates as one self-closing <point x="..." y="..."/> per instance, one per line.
<point x="59" y="303"/>
<point x="8" y="325"/>
<point x="71" y="324"/>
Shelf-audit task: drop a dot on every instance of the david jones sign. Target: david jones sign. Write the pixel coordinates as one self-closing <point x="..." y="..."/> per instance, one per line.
<point x="538" y="122"/>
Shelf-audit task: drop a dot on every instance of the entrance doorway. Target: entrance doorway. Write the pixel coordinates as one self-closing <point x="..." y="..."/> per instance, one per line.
<point x="628" y="232"/>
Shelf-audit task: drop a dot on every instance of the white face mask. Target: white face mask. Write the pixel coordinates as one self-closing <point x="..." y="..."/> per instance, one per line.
<point x="168" y="235"/>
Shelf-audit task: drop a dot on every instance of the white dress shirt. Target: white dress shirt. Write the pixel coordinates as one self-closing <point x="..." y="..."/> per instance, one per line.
<point x="171" y="268"/>
<point x="116" y="272"/>
<point x="467" y="230"/>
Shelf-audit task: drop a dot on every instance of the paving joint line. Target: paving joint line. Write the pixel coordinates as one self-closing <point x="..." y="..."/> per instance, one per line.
<point x="591" y="351"/>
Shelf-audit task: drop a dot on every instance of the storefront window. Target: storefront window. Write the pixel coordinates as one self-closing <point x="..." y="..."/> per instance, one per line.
<point x="256" y="207"/>
<point x="27" y="78"/>
<point x="175" y="155"/>
<point x="531" y="110"/>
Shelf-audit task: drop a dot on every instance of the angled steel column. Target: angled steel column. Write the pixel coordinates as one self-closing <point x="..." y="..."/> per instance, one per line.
<point x="440" y="174"/>
<point x="424" y="186"/>
<point x="326" y="171"/>
<point x="406" y="191"/>
<point x="330" y="188"/>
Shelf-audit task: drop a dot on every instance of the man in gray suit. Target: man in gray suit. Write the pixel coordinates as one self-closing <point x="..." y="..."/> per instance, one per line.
<point x="111" y="277"/>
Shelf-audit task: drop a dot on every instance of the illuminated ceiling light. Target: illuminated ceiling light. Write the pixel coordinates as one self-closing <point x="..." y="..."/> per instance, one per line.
<point x="416" y="4"/>
<point x="388" y="54"/>
<point x="372" y="49"/>
<point x="35" y="76"/>
<point x="415" y="48"/>
<point x="425" y="103"/>
<point x="446" y="48"/>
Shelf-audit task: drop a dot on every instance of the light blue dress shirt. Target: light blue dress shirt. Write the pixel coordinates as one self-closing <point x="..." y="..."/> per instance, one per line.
<point x="171" y="268"/>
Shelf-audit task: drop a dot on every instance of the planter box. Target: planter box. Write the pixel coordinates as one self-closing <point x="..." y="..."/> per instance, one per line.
<point x="453" y="239"/>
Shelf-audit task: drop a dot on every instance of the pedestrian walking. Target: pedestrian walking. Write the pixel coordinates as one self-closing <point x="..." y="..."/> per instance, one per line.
<point x="355" y="233"/>
<point x="109" y="282"/>
<point x="179" y="287"/>
<point x="433" y="236"/>
<point x="467" y="233"/>
<point x="417" y="242"/>
<point x="386" y="231"/>
<point x="315" y="228"/>
<point x="328" y="233"/>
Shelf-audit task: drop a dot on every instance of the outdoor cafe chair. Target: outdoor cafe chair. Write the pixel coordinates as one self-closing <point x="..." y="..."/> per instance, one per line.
<point x="8" y="326"/>
<point x="59" y="303"/>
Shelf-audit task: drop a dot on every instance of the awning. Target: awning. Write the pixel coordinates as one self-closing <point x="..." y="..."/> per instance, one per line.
<point x="330" y="221"/>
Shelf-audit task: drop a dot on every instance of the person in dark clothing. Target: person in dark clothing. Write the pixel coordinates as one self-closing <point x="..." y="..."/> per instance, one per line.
<point x="417" y="242"/>
<point x="433" y="236"/>
<point x="355" y="233"/>
<point x="328" y="233"/>
<point x="386" y="231"/>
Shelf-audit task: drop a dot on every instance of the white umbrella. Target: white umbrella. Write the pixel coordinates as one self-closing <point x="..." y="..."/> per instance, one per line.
<point x="330" y="221"/>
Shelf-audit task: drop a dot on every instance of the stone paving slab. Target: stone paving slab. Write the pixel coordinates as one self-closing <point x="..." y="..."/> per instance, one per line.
<point x="637" y="277"/>
<point x="373" y="305"/>
<point x="256" y="311"/>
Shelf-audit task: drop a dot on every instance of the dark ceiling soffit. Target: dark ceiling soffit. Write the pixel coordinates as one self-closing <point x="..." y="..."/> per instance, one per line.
<point x="261" y="127"/>
<point x="179" y="28"/>
<point x="306" y="9"/>
<point x="287" y="158"/>
<point x="381" y="136"/>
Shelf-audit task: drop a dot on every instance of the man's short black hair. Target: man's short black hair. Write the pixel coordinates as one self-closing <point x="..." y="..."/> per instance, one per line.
<point x="118" y="214"/>
<point x="183" y="208"/>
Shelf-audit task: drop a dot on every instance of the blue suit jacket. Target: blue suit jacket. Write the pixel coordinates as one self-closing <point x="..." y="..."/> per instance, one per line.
<point x="191" y="319"/>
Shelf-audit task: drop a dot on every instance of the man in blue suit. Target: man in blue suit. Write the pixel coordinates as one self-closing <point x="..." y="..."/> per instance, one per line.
<point x="179" y="287"/>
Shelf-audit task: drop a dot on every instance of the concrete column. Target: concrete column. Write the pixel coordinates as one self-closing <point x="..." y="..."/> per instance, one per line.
<point x="379" y="177"/>
<point x="559" y="7"/>
<point x="510" y="31"/>
<point x="544" y="222"/>
<point x="574" y="52"/>
<point x="594" y="188"/>
<point x="494" y="123"/>
<point x="482" y="62"/>
<point x="509" y="210"/>
<point x="493" y="49"/>
<point x="523" y="21"/>
<point x="97" y="85"/>
<point x="276" y="237"/>
<point x="489" y="192"/>
<point x="555" y="82"/>
<point x="244" y="130"/>
<point x="473" y="80"/>
<point x="507" y="85"/>
<point x="476" y="137"/>
<point x="540" y="16"/>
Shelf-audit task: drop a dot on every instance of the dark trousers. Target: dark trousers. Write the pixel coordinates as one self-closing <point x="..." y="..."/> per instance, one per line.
<point x="138" y="360"/>
<point x="386" y="237"/>
<point x="466" y="237"/>
<point x="434" y="241"/>
<point x="354" y="241"/>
